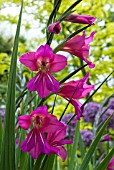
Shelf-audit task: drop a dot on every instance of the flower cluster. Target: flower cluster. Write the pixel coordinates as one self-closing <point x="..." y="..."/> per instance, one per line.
<point x="74" y="90"/>
<point x="111" y="104"/>
<point x="92" y="108"/>
<point x="87" y="137"/>
<point x="90" y="111"/>
<point x="48" y="134"/>
<point x="2" y="114"/>
<point x="105" y="117"/>
<point x="71" y="127"/>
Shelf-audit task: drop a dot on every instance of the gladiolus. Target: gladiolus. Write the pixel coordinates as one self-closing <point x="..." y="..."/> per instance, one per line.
<point x="44" y="61"/>
<point x="79" y="46"/>
<point x="82" y="19"/>
<point x="43" y="123"/>
<point x="54" y="28"/>
<point x="74" y="90"/>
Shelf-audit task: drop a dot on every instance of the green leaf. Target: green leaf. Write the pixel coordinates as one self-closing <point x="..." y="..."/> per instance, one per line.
<point x="7" y="161"/>
<point x="73" y="153"/>
<point x="82" y="148"/>
<point x="93" y="146"/>
<point x="71" y="7"/>
<point x="106" y="160"/>
<point x="51" y="19"/>
<point x="48" y="162"/>
<point x="1" y="132"/>
<point x="39" y="161"/>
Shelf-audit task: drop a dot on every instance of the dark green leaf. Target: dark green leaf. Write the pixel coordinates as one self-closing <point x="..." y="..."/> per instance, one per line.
<point x="7" y="161"/>
<point x="93" y="146"/>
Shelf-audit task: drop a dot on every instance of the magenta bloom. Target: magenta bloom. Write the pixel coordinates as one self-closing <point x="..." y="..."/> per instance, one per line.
<point x="79" y="46"/>
<point x="43" y="123"/>
<point x="82" y="19"/>
<point x="54" y="28"/>
<point x="56" y="142"/>
<point x="44" y="61"/>
<point x="106" y="138"/>
<point x="111" y="164"/>
<point x="77" y="90"/>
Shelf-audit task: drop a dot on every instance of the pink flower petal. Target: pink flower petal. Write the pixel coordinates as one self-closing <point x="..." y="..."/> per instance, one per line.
<point x="28" y="143"/>
<point x="78" y="108"/>
<point x="38" y="83"/>
<point x="35" y="143"/>
<point x="58" y="64"/>
<point x="25" y="121"/>
<point x="79" y="46"/>
<point x="42" y="88"/>
<point x="29" y="61"/>
<point x="74" y="43"/>
<point x="51" y="124"/>
<point x="44" y="52"/>
<point x="90" y="38"/>
<point x="58" y="136"/>
<point x="51" y="83"/>
<point x="34" y="82"/>
<point x="62" y="153"/>
<point x="40" y="111"/>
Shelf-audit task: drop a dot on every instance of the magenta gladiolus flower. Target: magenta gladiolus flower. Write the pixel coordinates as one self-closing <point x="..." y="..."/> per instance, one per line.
<point x="111" y="164"/>
<point x="54" y="28"/>
<point x="82" y="19"/>
<point x="106" y="138"/>
<point x="56" y="142"/>
<point x="74" y="90"/>
<point x="79" y="46"/>
<point x="43" y="123"/>
<point x="44" y="61"/>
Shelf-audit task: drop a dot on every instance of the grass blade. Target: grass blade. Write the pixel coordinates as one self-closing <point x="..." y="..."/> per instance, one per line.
<point x="7" y="161"/>
<point x="105" y="162"/>
<point x="93" y="146"/>
<point x="97" y="88"/>
<point x="1" y="132"/>
<point x="73" y="153"/>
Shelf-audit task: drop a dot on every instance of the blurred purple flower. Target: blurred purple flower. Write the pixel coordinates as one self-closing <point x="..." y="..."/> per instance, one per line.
<point x="105" y="117"/>
<point x="111" y="104"/>
<point x="2" y="114"/>
<point x="87" y="137"/>
<point x="90" y="112"/>
<point x="71" y="127"/>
